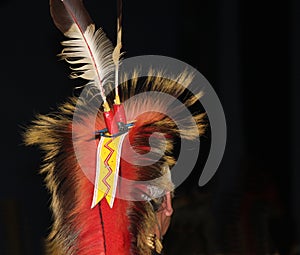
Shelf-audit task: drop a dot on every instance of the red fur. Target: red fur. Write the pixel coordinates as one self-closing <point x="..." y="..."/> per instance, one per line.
<point x="91" y="238"/>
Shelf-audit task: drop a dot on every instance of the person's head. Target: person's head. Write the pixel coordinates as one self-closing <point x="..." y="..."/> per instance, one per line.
<point x="87" y="158"/>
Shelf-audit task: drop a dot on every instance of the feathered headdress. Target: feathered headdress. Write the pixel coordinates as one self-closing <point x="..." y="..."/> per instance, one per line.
<point x="109" y="151"/>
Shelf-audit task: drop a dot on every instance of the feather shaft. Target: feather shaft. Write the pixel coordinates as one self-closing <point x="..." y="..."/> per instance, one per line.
<point x="117" y="50"/>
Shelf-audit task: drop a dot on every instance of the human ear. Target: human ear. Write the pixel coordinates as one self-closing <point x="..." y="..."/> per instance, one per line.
<point x="167" y="205"/>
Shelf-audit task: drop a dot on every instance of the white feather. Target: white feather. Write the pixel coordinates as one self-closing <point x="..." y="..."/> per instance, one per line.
<point x="90" y="56"/>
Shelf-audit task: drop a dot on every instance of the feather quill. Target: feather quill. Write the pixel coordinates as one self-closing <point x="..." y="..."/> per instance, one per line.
<point x="117" y="51"/>
<point x="88" y="50"/>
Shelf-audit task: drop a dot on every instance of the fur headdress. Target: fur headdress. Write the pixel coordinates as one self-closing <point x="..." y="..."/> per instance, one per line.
<point x="78" y="138"/>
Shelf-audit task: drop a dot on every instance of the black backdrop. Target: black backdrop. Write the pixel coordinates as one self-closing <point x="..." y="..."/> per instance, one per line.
<point x="248" y="51"/>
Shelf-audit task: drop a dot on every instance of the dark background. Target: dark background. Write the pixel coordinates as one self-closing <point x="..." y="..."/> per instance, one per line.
<point x="248" y="51"/>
